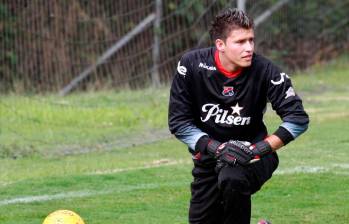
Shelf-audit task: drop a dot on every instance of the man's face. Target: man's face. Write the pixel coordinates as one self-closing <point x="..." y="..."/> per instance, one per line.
<point x="238" y="48"/>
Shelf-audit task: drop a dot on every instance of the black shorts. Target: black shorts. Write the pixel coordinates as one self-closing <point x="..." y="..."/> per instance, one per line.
<point x="225" y="197"/>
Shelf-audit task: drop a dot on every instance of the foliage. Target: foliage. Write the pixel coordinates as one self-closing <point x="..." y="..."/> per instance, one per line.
<point x="314" y="31"/>
<point x="44" y="44"/>
<point x="8" y="56"/>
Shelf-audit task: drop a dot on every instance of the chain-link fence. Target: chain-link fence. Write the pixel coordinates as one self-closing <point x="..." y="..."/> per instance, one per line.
<point x="45" y="45"/>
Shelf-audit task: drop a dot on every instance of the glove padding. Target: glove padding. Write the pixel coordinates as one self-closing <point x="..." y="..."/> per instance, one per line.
<point x="231" y="152"/>
<point x="261" y="148"/>
<point x="236" y="152"/>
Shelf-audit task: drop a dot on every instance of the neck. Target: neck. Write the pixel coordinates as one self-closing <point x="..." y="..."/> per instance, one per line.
<point x="227" y="65"/>
<point x="230" y="74"/>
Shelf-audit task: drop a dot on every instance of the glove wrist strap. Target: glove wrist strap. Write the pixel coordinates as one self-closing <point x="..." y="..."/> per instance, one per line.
<point x="212" y="147"/>
<point x="263" y="147"/>
<point x="202" y="144"/>
<point x="207" y="145"/>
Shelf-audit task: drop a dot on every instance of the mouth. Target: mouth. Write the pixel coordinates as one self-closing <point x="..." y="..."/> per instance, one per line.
<point x="247" y="57"/>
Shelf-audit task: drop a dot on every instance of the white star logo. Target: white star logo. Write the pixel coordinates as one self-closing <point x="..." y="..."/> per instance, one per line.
<point x="236" y="109"/>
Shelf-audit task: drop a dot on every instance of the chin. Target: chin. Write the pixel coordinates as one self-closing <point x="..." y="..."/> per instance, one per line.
<point x="245" y="64"/>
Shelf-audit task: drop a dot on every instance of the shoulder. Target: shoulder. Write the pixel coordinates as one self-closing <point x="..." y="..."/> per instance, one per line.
<point x="264" y="66"/>
<point x="199" y="54"/>
<point x="194" y="60"/>
<point x="261" y="61"/>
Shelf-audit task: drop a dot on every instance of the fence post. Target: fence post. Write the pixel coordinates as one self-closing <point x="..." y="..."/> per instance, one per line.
<point x="108" y="53"/>
<point x="267" y="13"/>
<point x="241" y="4"/>
<point x="155" y="75"/>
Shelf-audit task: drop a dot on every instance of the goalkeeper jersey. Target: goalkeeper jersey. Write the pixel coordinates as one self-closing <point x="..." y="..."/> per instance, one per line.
<point x="206" y="100"/>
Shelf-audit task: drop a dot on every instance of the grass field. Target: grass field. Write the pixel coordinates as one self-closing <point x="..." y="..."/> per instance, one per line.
<point x="91" y="153"/>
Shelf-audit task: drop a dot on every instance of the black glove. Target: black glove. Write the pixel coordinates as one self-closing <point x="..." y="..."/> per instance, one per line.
<point x="261" y="148"/>
<point x="230" y="152"/>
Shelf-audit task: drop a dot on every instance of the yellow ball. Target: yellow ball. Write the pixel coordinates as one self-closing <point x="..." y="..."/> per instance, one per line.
<point x="63" y="217"/>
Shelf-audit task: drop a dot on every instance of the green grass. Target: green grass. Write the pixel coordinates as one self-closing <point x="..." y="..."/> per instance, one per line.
<point x="42" y="125"/>
<point x="150" y="183"/>
<point x="324" y="78"/>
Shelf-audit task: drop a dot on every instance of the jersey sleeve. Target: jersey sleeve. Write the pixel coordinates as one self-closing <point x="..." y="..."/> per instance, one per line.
<point x="180" y="115"/>
<point x="283" y="98"/>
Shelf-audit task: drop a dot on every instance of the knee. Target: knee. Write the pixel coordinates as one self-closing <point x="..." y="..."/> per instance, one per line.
<point x="232" y="179"/>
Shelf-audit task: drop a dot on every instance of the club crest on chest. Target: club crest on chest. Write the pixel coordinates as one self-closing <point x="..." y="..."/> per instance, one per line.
<point x="228" y="91"/>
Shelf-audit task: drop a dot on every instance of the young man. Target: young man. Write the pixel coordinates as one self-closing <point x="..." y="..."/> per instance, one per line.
<point x="218" y="98"/>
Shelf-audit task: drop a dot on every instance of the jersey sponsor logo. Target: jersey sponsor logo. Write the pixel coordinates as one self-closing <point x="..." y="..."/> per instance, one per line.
<point x="230" y="117"/>
<point x="282" y="79"/>
<point x="228" y="91"/>
<point x="182" y="70"/>
<point x="236" y="109"/>
<point x="290" y="92"/>
<point x="203" y="65"/>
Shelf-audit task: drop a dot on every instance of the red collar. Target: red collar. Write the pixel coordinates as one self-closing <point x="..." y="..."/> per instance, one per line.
<point x="222" y="69"/>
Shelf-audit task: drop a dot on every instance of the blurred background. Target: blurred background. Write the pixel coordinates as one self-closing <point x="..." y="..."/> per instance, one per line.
<point x="84" y="89"/>
<point x="45" y="45"/>
<point x="79" y="76"/>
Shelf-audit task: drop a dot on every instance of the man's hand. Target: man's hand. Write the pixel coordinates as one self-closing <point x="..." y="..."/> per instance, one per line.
<point x="231" y="152"/>
<point x="261" y="148"/>
<point x="238" y="150"/>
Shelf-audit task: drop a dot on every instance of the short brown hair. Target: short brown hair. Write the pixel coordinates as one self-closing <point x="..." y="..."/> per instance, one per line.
<point x="228" y="20"/>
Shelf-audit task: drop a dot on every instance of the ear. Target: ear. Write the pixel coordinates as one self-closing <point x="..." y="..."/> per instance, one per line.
<point x="220" y="45"/>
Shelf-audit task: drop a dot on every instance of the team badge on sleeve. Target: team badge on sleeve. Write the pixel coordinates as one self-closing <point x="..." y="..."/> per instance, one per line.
<point x="281" y="80"/>
<point x="228" y="91"/>
<point x="181" y="69"/>
<point x="290" y="92"/>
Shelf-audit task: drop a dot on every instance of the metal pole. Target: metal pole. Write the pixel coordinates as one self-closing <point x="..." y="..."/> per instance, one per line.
<point x="241" y="4"/>
<point x="266" y="14"/>
<point x="108" y="53"/>
<point x="155" y="75"/>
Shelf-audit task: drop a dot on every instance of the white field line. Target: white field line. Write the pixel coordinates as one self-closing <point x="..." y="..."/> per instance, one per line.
<point x="331" y="168"/>
<point x="154" y="164"/>
<point x="302" y="169"/>
<point x="80" y="194"/>
<point x="342" y="166"/>
<point x="280" y="171"/>
<point x="29" y="199"/>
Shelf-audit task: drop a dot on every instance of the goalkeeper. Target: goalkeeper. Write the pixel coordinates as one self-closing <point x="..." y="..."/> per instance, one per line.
<point x="217" y="101"/>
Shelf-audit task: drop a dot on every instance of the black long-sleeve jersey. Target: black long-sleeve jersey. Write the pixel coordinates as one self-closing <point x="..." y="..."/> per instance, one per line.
<point x="230" y="108"/>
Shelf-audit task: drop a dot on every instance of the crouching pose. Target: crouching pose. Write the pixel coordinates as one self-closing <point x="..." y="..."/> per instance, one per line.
<point x="217" y="101"/>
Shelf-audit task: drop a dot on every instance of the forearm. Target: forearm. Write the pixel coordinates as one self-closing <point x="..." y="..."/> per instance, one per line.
<point x="189" y="135"/>
<point x="287" y="132"/>
<point x="275" y="142"/>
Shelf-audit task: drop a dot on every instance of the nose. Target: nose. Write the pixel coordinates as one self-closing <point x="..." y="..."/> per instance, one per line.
<point x="249" y="46"/>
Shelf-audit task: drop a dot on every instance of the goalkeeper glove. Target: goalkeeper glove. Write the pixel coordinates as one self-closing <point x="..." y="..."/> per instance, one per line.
<point x="261" y="148"/>
<point x="230" y="152"/>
